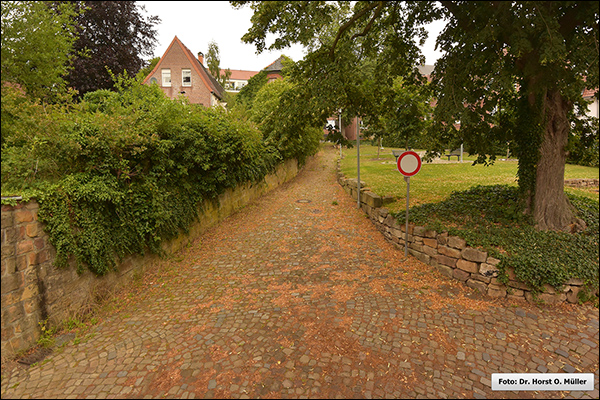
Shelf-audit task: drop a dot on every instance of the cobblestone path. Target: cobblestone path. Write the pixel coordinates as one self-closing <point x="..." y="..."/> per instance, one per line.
<point x="299" y="296"/>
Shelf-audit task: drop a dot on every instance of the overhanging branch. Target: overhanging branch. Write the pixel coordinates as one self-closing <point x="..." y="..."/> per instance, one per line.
<point x="350" y="22"/>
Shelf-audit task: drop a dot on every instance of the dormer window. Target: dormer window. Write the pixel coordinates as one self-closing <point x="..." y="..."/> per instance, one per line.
<point x="166" y="77"/>
<point x="186" y="77"/>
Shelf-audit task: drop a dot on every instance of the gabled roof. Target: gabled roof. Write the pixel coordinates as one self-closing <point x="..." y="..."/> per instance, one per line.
<point x="425" y="70"/>
<point x="275" y="65"/>
<point x="210" y="82"/>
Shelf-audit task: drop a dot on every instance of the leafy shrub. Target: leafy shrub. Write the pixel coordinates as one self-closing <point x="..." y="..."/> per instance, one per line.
<point x="119" y="173"/>
<point x="245" y="97"/>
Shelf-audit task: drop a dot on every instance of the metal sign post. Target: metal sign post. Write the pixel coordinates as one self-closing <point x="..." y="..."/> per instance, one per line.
<point x="407" y="179"/>
<point x="409" y="163"/>
<point x="340" y="129"/>
<point x="358" y="162"/>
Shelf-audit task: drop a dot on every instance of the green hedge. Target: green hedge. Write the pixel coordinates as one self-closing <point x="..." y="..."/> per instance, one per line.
<point x="120" y="172"/>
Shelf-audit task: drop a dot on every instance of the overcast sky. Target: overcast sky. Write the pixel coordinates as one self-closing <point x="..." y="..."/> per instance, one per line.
<point x="197" y="23"/>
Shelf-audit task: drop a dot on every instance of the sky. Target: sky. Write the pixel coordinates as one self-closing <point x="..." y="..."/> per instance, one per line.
<point x="197" y="23"/>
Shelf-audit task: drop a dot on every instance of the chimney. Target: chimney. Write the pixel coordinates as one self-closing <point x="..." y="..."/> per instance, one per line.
<point x="201" y="57"/>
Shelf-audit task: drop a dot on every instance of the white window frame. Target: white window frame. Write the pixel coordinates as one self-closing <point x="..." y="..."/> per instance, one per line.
<point x="166" y="77"/>
<point x="186" y="72"/>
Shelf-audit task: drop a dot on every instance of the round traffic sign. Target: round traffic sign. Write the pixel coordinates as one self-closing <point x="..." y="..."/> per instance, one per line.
<point x="409" y="163"/>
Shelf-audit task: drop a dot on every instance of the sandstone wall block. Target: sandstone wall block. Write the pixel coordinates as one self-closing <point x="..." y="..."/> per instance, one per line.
<point x="573" y="294"/>
<point x="372" y="199"/>
<point x="518" y="285"/>
<point x="460" y="275"/>
<point x="443" y="238"/>
<point x="445" y="270"/>
<point x="475" y="255"/>
<point x="449" y="252"/>
<point x="481" y="278"/>
<point x="430" y="251"/>
<point x="420" y="256"/>
<point x="445" y="260"/>
<point x="477" y="285"/>
<point x="467" y="266"/>
<point x="417" y="247"/>
<point x="488" y="270"/>
<point x="430" y="242"/>
<point x="456" y="242"/>
<point x="423" y="232"/>
<point x="496" y="291"/>
<point x="492" y="261"/>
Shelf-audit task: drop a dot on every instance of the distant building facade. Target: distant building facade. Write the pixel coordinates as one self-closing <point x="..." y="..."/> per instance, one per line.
<point x="238" y="79"/>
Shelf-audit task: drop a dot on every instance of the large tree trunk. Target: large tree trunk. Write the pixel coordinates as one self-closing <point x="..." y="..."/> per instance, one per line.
<point x="551" y="208"/>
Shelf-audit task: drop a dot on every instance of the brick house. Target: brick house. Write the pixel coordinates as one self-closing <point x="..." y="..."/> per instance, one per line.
<point x="180" y="72"/>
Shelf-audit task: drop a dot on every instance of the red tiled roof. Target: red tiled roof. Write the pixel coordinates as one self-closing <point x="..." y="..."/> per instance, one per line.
<point x="240" y="74"/>
<point x="589" y="93"/>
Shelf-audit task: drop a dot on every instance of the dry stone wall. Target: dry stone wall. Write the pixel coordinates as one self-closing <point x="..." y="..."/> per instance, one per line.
<point x="34" y="290"/>
<point x="450" y="254"/>
<point x="581" y="183"/>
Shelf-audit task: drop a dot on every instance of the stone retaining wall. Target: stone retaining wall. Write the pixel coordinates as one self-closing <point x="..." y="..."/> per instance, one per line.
<point x="581" y="182"/>
<point x="33" y="290"/>
<point x="450" y="254"/>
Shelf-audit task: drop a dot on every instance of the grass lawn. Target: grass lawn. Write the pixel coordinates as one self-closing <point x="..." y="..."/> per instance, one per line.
<point x="435" y="182"/>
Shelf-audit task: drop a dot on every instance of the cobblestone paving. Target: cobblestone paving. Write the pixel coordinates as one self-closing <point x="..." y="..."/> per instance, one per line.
<point x="299" y="296"/>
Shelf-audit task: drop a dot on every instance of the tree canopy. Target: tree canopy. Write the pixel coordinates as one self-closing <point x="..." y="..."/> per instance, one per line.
<point x="37" y="43"/>
<point x="213" y="61"/>
<point x="112" y="35"/>
<point x="516" y="71"/>
<point x="512" y="72"/>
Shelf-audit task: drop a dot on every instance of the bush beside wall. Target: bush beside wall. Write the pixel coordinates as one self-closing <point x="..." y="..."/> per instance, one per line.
<point x="34" y="290"/>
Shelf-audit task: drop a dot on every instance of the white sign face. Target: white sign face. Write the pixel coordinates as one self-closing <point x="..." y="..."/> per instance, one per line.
<point x="409" y="163"/>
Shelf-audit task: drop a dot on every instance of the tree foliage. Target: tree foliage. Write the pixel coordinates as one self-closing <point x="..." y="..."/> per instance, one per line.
<point x="37" y="44"/>
<point x="279" y="114"/>
<point x="345" y="68"/>
<point x="404" y="116"/>
<point x="147" y="69"/>
<point x="213" y="60"/>
<point x="113" y="36"/>
<point x="528" y="64"/>
<point x="247" y="94"/>
<point x="512" y="72"/>
<point x="245" y="97"/>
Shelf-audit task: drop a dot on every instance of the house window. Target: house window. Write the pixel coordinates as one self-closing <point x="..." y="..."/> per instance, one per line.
<point x="166" y="77"/>
<point x="186" y="77"/>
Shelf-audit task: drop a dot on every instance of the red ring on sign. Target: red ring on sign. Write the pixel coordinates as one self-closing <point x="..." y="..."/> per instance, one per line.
<point x="405" y="154"/>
